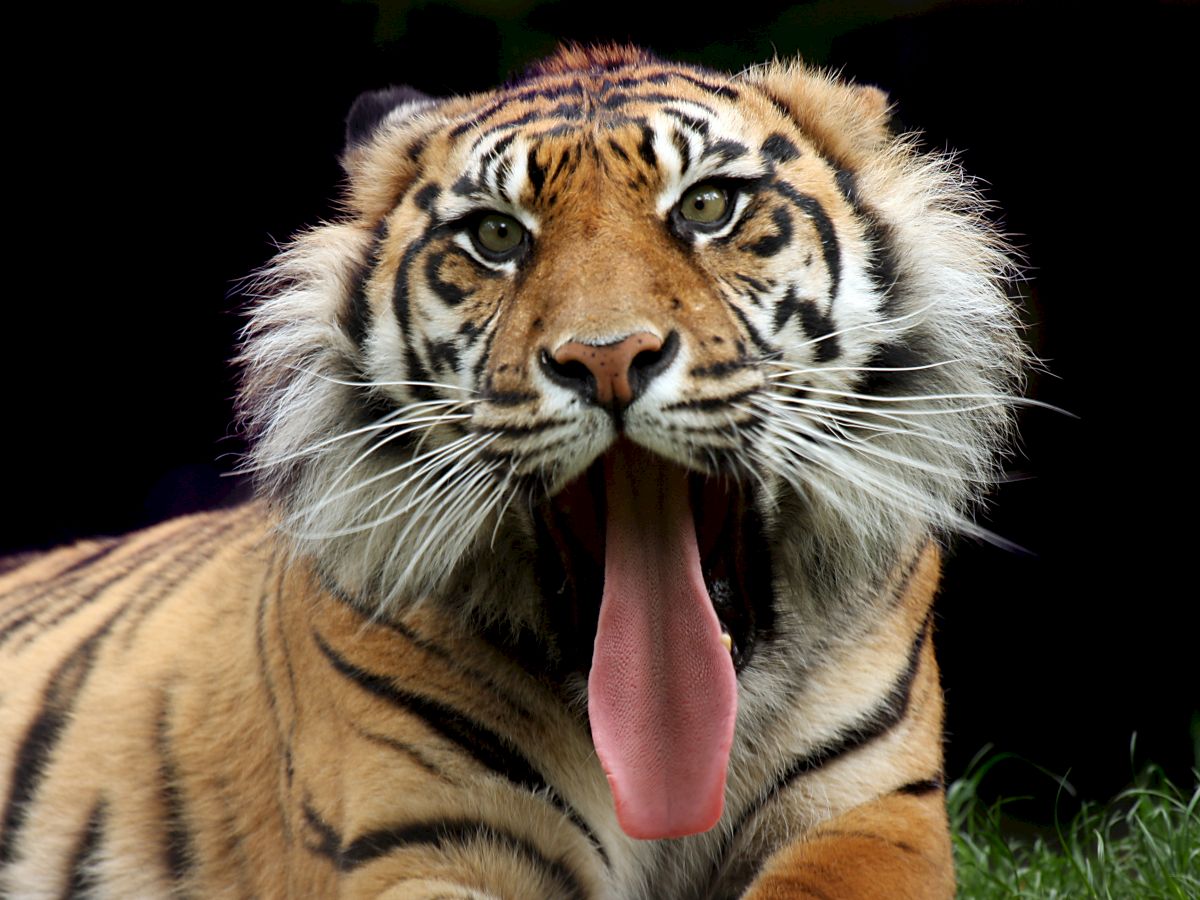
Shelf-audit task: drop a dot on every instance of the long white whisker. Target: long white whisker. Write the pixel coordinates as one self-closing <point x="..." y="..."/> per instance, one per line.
<point x="374" y="384"/>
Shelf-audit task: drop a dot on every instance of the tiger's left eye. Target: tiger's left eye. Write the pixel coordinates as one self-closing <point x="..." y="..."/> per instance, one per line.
<point x="499" y="234"/>
<point x="704" y="204"/>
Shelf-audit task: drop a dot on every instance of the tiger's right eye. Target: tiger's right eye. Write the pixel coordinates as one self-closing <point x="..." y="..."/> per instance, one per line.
<point x="498" y="234"/>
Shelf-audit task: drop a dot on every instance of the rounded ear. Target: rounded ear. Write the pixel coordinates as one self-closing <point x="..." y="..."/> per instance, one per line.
<point x="846" y="121"/>
<point x="372" y="107"/>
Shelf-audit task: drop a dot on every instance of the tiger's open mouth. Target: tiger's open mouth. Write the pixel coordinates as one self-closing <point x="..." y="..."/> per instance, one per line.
<point x="734" y="560"/>
<point x="660" y="581"/>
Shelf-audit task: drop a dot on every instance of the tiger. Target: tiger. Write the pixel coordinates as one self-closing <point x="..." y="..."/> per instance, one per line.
<point x="604" y="449"/>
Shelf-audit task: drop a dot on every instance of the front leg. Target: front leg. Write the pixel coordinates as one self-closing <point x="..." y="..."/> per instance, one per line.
<point x="896" y="847"/>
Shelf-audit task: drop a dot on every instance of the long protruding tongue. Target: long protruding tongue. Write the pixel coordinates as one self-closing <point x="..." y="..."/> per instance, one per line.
<point x="662" y="693"/>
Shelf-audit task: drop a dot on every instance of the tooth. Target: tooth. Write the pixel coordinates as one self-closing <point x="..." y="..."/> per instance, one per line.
<point x="726" y="641"/>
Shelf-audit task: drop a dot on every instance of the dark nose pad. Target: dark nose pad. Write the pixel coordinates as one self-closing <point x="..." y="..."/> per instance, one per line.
<point x="612" y="375"/>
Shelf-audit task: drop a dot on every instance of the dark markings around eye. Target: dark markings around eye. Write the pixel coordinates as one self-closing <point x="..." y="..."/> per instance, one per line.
<point x="448" y="293"/>
<point x="830" y="248"/>
<point x="816" y="324"/>
<point x="770" y="245"/>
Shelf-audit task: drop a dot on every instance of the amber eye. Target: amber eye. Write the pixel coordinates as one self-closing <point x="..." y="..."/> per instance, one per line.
<point x="499" y="234"/>
<point x="704" y="204"/>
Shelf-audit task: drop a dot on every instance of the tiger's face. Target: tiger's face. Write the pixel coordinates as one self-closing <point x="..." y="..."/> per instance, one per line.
<point x="661" y="366"/>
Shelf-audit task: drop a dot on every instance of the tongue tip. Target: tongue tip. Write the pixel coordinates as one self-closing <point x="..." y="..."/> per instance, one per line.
<point x="638" y="822"/>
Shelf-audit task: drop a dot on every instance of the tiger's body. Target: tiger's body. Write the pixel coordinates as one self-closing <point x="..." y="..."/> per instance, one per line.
<point x="622" y="323"/>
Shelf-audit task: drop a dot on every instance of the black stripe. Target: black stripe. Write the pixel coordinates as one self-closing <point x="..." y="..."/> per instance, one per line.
<point x="456" y="835"/>
<point x="704" y="403"/>
<point x="907" y="353"/>
<point x="761" y="286"/>
<point x="816" y="325"/>
<point x="82" y="882"/>
<point x="718" y="370"/>
<point x="884" y="270"/>
<point x="779" y="148"/>
<point x="355" y="318"/>
<point x="508" y="398"/>
<point x="719" y="89"/>
<point x="33" y="756"/>
<point x="618" y="149"/>
<point x="552" y="92"/>
<point x="888" y="713"/>
<point x="401" y="298"/>
<point x="264" y="669"/>
<point x="486" y="747"/>
<point x="646" y="147"/>
<point x="921" y="788"/>
<point x="770" y="244"/>
<point x="825" y="230"/>
<point x="186" y="563"/>
<point x="697" y="125"/>
<point x="177" y="840"/>
<point x="455" y="662"/>
<point x="727" y="150"/>
<point x="765" y="347"/>
<point x="537" y="173"/>
<point x="426" y="196"/>
<point x="442" y="355"/>
<point x="530" y="428"/>
<point x="52" y="586"/>
<point x="329" y="842"/>
<point x="568" y="157"/>
<point x="683" y="149"/>
<point x="404" y="749"/>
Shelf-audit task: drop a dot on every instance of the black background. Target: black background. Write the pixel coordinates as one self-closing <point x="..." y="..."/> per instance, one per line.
<point x="156" y="157"/>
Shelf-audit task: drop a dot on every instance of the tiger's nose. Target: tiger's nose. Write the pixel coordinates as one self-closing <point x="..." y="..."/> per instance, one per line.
<point x="614" y="374"/>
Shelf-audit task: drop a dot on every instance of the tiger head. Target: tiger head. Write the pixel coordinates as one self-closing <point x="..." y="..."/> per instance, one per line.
<point x="662" y="367"/>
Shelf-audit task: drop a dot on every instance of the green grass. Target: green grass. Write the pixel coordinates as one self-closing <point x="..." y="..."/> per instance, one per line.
<point x="1143" y="843"/>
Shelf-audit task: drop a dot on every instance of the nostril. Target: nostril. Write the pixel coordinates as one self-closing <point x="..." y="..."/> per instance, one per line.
<point x="572" y="373"/>
<point x="650" y="363"/>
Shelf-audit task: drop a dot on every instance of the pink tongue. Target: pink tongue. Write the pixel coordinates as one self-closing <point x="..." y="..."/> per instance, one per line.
<point x="662" y="694"/>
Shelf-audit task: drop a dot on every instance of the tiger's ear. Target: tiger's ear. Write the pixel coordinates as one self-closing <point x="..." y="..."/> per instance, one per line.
<point x="372" y="107"/>
<point x="848" y="122"/>
<point x="378" y="155"/>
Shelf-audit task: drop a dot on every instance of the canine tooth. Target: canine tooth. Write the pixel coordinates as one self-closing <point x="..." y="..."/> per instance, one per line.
<point x="726" y="641"/>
